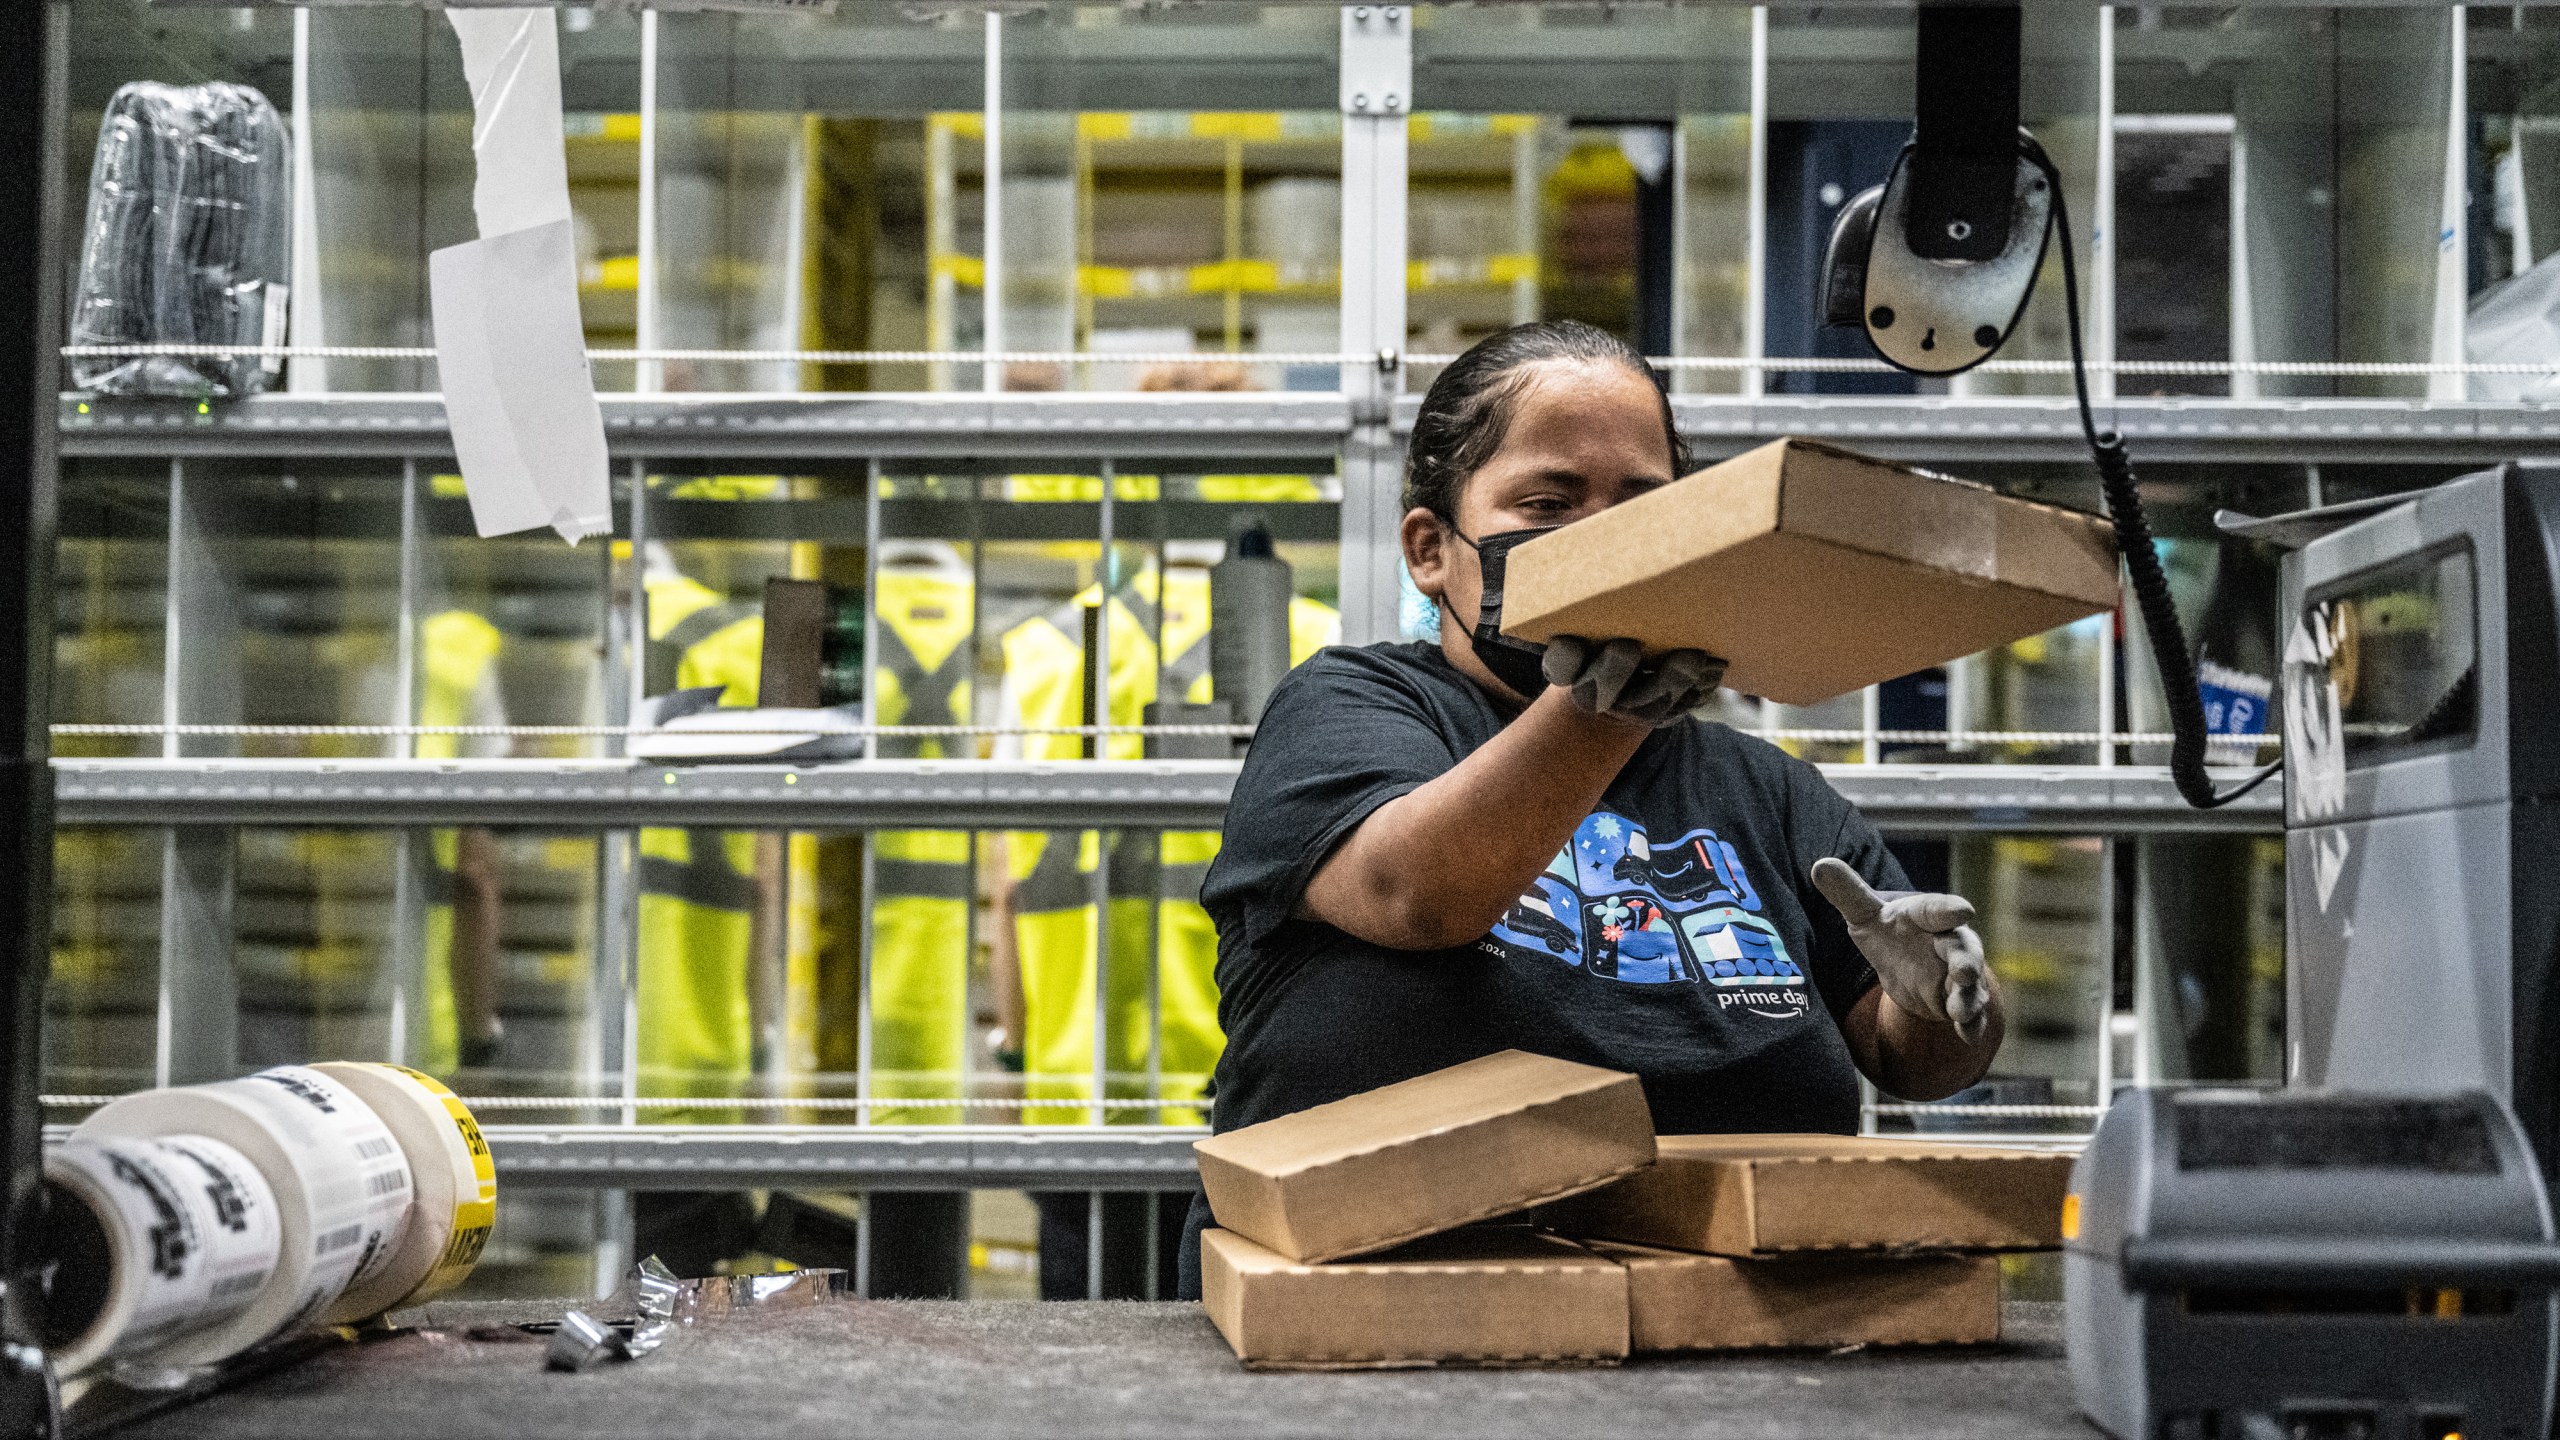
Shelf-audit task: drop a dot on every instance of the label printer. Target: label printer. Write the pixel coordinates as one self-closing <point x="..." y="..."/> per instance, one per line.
<point x="2306" y="1265"/>
<point x="2421" y="710"/>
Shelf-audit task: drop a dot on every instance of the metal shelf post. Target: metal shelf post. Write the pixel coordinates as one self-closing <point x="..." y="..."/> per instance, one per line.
<point x="34" y="63"/>
<point x="1376" y="99"/>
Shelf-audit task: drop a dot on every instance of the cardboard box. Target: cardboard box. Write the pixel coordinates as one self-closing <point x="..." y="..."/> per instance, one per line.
<point x="1761" y="1195"/>
<point x="1493" y="1296"/>
<point x="1468" y="1143"/>
<point x="1680" y="1301"/>
<point x="792" y="666"/>
<point x="1813" y="571"/>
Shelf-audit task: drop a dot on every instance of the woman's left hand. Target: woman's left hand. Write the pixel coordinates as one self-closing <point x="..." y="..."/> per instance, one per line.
<point x="1922" y="945"/>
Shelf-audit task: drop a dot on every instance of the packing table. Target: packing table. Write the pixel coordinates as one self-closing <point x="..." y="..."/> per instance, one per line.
<point x="923" y="1368"/>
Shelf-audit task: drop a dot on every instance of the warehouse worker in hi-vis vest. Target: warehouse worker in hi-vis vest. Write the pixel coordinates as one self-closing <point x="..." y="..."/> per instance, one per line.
<point x="458" y="685"/>
<point x="709" y="911"/>
<point x="922" y="886"/>
<point x="1158" y="644"/>
<point x="712" y="931"/>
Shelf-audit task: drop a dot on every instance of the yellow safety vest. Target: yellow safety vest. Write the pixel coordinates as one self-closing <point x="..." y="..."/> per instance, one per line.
<point x="457" y="650"/>
<point x="921" y="880"/>
<point x="1155" y="915"/>
<point x="697" y="886"/>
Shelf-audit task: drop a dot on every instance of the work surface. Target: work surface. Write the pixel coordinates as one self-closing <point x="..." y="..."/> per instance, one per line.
<point x="914" y="1368"/>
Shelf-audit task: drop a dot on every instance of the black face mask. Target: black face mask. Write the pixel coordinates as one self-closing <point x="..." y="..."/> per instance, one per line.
<point x="1515" y="663"/>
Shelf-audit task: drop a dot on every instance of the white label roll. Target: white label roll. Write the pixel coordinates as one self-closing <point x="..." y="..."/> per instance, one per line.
<point x="341" y="1185"/>
<point x="456" y="1186"/>
<point x="168" y="1235"/>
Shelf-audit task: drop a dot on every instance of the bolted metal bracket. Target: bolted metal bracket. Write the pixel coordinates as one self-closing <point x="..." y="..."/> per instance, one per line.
<point x="1377" y="60"/>
<point x="1375" y="405"/>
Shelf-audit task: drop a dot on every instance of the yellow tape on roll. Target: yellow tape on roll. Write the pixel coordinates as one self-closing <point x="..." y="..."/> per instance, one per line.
<point x="342" y="1190"/>
<point x="457" y="1187"/>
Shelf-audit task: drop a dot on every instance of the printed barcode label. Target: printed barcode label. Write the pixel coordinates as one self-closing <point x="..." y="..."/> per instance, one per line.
<point x="315" y="1096"/>
<point x="375" y="1148"/>
<point x="230" y="1285"/>
<point x="386" y="1182"/>
<point x="339" y="1239"/>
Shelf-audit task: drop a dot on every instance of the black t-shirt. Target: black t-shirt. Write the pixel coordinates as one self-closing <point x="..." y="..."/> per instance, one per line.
<point x="1677" y="935"/>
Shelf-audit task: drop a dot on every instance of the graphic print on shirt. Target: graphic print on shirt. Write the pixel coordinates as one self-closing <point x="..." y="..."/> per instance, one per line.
<point x="1618" y="907"/>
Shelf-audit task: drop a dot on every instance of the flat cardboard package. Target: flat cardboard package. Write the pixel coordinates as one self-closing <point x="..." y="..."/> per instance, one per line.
<point x="1762" y="1195"/>
<point x="1680" y="1301"/>
<point x="1492" y="1296"/>
<point x="1814" y="571"/>
<point x="1468" y="1143"/>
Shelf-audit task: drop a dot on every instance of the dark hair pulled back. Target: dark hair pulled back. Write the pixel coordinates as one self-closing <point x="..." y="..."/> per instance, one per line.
<point x="1468" y="410"/>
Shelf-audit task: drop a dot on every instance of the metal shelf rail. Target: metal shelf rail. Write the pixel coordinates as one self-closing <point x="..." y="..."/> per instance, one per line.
<point x="835" y="1157"/>
<point x="598" y="1157"/>
<point x="840" y="427"/>
<point x="990" y="795"/>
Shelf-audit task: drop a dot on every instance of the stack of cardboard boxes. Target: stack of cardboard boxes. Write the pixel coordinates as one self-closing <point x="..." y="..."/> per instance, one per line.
<point x="1518" y="1210"/>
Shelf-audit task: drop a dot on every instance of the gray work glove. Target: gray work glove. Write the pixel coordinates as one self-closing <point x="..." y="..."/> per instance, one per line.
<point x="1922" y="947"/>
<point x="1613" y="678"/>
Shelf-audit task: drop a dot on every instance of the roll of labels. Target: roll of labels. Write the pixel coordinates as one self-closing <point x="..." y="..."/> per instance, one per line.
<point x="187" y="1225"/>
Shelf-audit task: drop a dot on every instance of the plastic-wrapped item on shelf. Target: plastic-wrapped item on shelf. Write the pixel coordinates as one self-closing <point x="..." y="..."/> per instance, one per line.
<point x="2517" y="321"/>
<point x="186" y="241"/>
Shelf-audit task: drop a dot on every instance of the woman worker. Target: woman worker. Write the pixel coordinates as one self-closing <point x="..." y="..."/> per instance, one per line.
<point x="1440" y="850"/>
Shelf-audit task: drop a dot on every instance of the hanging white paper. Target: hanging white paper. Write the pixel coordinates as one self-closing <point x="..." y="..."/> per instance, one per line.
<point x="512" y="59"/>
<point x="510" y="351"/>
<point x="519" y="400"/>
